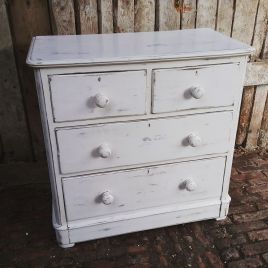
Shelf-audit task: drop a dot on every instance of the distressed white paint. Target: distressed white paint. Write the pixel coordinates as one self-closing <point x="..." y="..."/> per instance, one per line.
<point x="208" y="130"/>
<point x="98" y="95"/>
<point x="142" y="142"/>
<point x="154" y="219"/>
<point x="124" y="47"/>
<point x="143" y="188"/>
<point x="180" y="87"/>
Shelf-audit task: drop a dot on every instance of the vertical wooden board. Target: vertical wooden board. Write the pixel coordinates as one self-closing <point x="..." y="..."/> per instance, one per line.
<point x="168" y="17"/>
<point x="260" y="28"/>
<point x="244" y="20"/>
<point x="124" y="16"/>
<point x="87" y="16"/>
<point x="245" y="112"/>
<point x="14" y="135"/>
<point x="263" y="137"/>
<point x="264" y="54"/>
<point x="105" y="16"/>
<point x="28" y="19"/>
<point x="206" y="14"/>
<point x="225" y="16"/>
<point x="256" y="116"/>
<point x="256" y="73"/>
<point x="62" y="17"/>
<point x="144" y="15"/>
<point x="188" y="14"/>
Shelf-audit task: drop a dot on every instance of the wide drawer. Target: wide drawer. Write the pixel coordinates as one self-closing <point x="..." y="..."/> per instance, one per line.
<point x="195" y="87"/>
<point x="97" y="95"/>
<point x="139" y="142"/>
<point x="117" y="192"/>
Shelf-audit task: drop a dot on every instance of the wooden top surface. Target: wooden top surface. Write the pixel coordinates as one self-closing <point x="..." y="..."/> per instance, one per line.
<point x="136" y="47"/>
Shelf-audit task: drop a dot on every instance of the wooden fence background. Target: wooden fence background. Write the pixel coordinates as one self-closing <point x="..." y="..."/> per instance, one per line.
<point x="20" y="128"/>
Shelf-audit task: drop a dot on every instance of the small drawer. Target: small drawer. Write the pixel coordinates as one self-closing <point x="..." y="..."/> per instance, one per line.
<point x="113" y="145"/>
<point x="123" y="191"/>
<point x="195" y="87"/>
<point x="97" y="95"/>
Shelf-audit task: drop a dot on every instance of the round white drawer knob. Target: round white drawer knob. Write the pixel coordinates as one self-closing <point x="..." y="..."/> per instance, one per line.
<point x="107" y="198"/>
<point x="104" y="151"/>
<point x="101" y="100"/>
<point x="190" y="185"/>
<point x="194" y="140"/>
<point x="197" y="92"/>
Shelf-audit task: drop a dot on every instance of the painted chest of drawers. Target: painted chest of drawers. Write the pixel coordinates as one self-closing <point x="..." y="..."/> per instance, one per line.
<point x="139" y="128"/>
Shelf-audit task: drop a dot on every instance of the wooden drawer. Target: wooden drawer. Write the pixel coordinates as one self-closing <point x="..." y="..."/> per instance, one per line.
<point x="132" y="143"/>
<point x="195" y="87"/>
<point x="97" y="95"/>
<point x="117" y="192"/>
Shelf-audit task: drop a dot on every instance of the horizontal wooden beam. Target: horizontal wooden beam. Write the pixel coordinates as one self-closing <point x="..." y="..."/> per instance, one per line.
<point x="257" y="73"/>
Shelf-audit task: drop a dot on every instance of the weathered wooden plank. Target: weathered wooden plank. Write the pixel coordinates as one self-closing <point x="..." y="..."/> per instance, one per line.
<point x="225" y="16"/>
<point x="62" y="16"/>
<point x="1" y="150"/>
<point x="263" y="137"/>
<point x="244" y="20"/>
<point x="105" y="10"/>
<point x="124" y="15"/>
<point x="188" y="14"/>
<point x="245" y="112"/>
<point x="256" y="116"/>
<point x="256" y="73"/>
<point x="206" y="13"/>
<point x="87" y="16"/>
<point x="264" y="54"/>
<point x="144" y="15"/>
<point x="167" y="16"/>
<point x="29" y="18"/>
<point x="14" y="135"/>
<point x="260" y="28"/>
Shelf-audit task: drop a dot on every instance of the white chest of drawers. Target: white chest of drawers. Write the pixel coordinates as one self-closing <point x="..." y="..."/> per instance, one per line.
<point x="139" y="128"/>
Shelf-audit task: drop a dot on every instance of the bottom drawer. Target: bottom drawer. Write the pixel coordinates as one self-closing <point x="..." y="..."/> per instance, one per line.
<point x="122" y="191"/>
